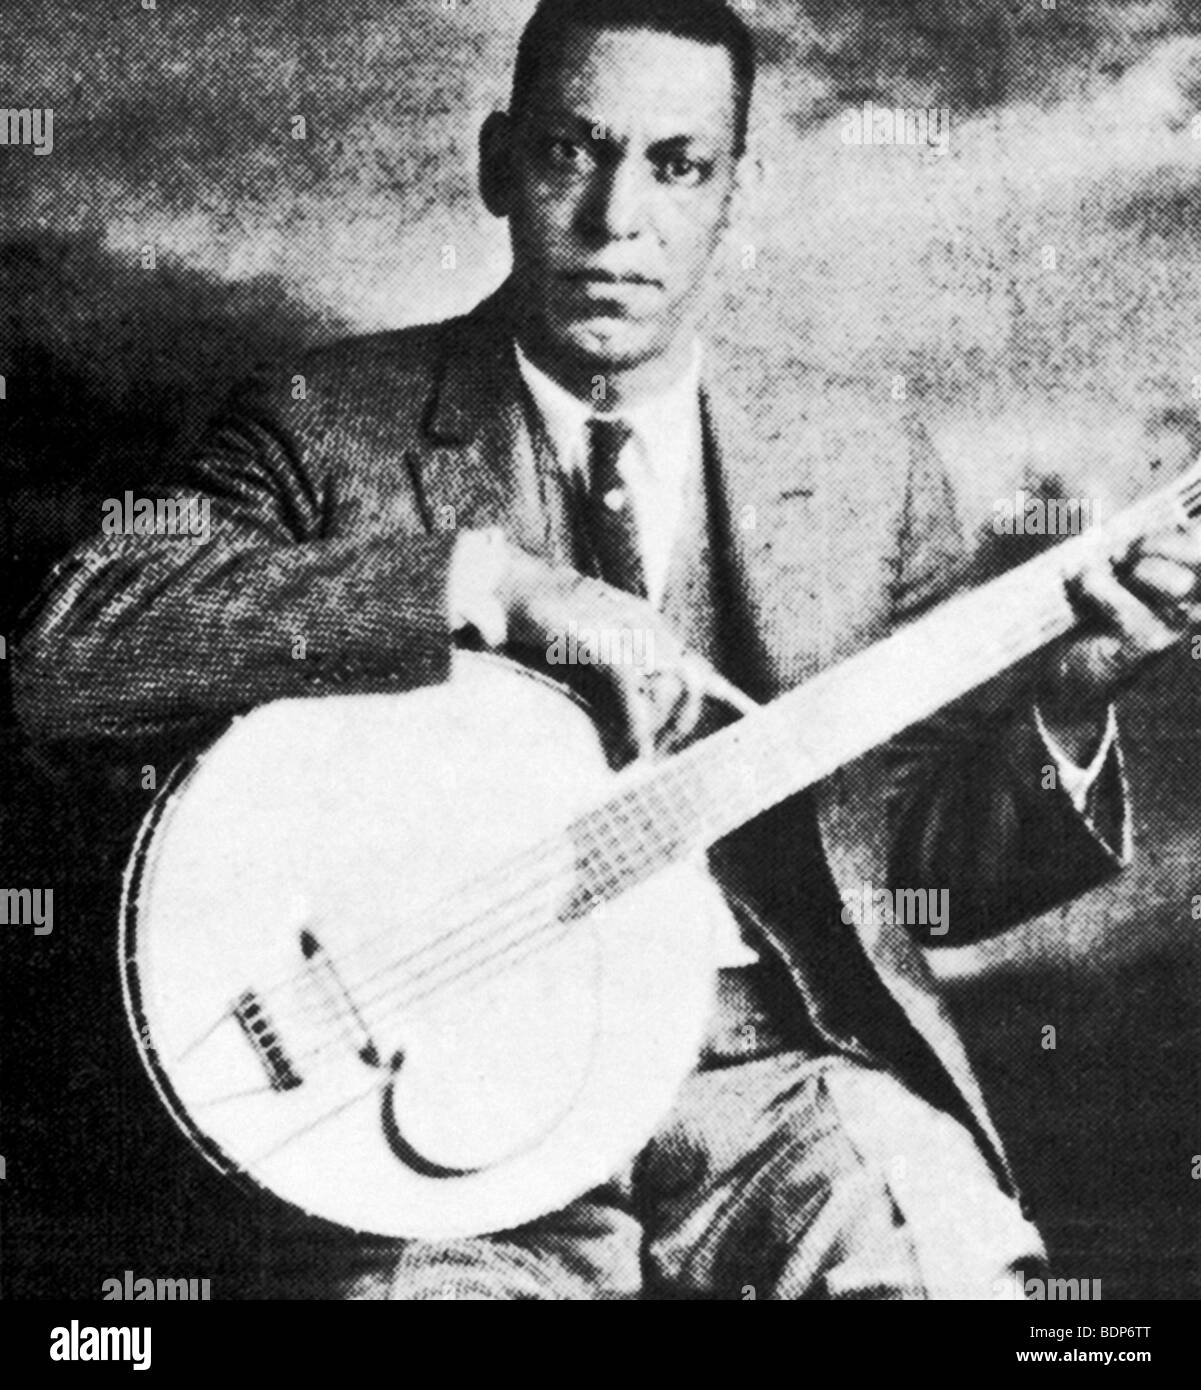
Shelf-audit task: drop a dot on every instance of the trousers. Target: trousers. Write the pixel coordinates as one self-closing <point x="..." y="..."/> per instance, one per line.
<point x="783" y="1177"/>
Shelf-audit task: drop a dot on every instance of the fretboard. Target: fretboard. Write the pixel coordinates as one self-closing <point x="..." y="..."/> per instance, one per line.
<point x="664" y="812"/>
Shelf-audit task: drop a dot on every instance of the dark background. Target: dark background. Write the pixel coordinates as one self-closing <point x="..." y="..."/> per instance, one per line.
<point x="1069" y="128"/>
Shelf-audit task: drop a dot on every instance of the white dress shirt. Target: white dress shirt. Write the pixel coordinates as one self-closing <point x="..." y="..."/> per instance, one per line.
<point x="664" y="448"/>
<point x="663" y="451"/>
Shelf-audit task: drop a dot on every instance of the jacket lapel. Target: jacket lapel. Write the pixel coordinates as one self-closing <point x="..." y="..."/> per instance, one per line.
<point x="765" y="492"/>
<point x="474" y="461"/>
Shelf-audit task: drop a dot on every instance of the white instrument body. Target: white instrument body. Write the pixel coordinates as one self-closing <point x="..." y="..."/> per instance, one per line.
<point x="294" y="899"/>
<point x="353" y="819"/>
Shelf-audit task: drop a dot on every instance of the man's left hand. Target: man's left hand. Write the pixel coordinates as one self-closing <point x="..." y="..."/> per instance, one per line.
<point x="1132" y="610"/>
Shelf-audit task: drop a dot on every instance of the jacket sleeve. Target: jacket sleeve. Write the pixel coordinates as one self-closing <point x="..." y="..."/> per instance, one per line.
<point x="138" y="635"/>
<point x="973" y="803"/>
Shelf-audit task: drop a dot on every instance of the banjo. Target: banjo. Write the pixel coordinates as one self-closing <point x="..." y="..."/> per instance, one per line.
<point x="424" y="965"/>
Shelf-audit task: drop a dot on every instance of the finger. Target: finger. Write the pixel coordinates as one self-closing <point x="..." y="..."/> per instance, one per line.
<point x="713" y="684"/>
<point x="705" y="683"/>
<point x="699" y="682"/>
<point x="687" y="707"/>
<point x="1188" y="612"/>
<point x="1138" y="630"/>
<point x="1179" y="544"/>
<point x="689" y="715"/>
<point x="1165" y="585"/>
<point x="640" y="720"/>
<point x="678" y="699"/>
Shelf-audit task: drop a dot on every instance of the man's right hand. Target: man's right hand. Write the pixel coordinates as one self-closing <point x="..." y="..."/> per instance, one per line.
<point x="661" y="687"/>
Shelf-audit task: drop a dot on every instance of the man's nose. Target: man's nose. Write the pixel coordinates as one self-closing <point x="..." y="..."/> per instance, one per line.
<point x="617" y="207"/>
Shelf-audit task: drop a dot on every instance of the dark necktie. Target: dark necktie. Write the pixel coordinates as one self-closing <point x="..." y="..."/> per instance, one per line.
<point x="609" y="522"/>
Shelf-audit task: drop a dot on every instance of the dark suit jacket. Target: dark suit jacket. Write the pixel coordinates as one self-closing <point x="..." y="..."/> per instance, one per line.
<point x="334" y="511"/>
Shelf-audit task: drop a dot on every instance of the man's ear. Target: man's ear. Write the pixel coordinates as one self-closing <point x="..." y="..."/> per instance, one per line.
<point x="496" y="163"/>
<point x="745" y="195"/>
<point x="749" y="177"/>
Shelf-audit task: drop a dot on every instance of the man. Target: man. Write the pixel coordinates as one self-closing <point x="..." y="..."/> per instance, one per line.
<point x="569" y="453"/>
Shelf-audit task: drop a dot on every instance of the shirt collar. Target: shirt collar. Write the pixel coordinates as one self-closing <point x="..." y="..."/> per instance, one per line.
<point x="662" y="423"/>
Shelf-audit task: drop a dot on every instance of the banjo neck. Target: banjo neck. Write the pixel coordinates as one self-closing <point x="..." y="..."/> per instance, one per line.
<point x="664" y="812"/>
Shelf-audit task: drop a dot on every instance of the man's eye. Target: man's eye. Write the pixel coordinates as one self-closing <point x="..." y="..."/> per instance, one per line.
<point x="682" y="171"/>
<point x="567" y="154"/>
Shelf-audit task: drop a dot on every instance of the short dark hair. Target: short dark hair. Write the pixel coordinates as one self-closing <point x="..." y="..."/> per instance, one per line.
<point x="705" y="21"/>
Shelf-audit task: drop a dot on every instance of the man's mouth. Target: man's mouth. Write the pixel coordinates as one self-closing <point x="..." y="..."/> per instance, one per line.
<point x="609" y="279"/>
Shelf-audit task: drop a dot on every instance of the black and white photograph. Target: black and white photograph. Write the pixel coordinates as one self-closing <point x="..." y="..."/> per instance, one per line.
<point x="600" y="642"/>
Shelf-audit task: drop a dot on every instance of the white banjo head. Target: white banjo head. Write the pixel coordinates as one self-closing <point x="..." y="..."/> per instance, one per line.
<point x="349" y="971"/>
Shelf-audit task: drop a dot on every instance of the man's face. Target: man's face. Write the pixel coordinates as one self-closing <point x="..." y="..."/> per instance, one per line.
<point x="622" y="166"/>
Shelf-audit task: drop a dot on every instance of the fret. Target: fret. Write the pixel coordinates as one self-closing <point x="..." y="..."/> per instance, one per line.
<point x="617" y="830"/>
<point x="596" y="862"/>
<point x="686" y="793"/>
<point x="667" y="817"/>
<point x="633" y="832"/>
